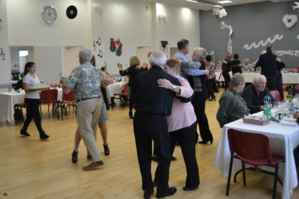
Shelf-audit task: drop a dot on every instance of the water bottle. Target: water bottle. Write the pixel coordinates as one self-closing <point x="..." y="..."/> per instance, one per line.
<point x="267" y="106"/>
<point x="42" y="82"/>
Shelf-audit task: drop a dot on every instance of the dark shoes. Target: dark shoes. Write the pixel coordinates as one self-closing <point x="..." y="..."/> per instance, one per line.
<point x="170" y="192"/>
<point x="106" y="150"/>
<point x="131" y="115"/>
<point x="206" y="142"/>
<point x="75" y="156"/>
<point x="23" y="132"/>
<point x="93" y="166"/>
<point x="148" y="193"/>
<point x="214" y="99"/>
<point x="43" y="135"/>
<point x="189" y="189"/>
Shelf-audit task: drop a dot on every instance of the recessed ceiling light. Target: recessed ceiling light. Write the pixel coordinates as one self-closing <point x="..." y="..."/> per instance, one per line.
<point x="194" y="1"/>
<point x="226" y="1"/>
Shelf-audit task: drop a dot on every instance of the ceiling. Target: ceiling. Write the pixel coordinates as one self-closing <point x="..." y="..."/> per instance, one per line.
<point x="206" y="4"/>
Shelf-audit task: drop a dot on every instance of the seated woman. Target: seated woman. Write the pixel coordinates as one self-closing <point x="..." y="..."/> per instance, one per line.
<point x="231" y="105"/>
<point x="181" y="124"/>
<point x="19" y="84"/>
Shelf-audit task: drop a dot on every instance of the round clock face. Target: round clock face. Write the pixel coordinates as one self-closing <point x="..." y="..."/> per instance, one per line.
<point x="49" y="14"/>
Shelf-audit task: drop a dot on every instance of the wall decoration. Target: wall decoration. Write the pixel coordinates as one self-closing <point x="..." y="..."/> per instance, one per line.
<point x="263" y="43"/>
<point x="222" y="13"/>
<point x="1" y="26"/>
<point x="116" y="44"/>
<point x="297" y="6"/>
<point x="119" y="50"/>
<point x="71" y="12"/>
<point x="164" y="46"/>
<point x="100" y="54"/>
<point x="230" y="42"/>
<point x="94" y="45"/>
<point x="2" y="54"/>
<point x="99" y="41"/>
<point x="289" y="20"/>
<point x="112" y="45"/>
<point x="293" y="53"/>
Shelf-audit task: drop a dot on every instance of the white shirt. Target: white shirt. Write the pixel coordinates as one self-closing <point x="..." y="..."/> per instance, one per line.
<point x="32" y="81"/>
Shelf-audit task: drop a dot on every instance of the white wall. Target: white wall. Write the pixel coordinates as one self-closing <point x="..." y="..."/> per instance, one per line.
<point x="131" y="23"/>
<point x="179" y="23"/>
<point x="26" y="26"/>
<point x="49" y="63"/>
<point x="15" y="60"/>
<point x="5" y="65"/>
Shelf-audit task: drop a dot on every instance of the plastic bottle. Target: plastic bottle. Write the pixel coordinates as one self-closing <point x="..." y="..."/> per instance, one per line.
<point x="267" y="106"/>
<point x="42" y="82"/>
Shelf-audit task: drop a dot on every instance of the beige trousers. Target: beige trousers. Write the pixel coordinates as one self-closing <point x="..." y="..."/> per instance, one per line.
<point x="88" y="115"/>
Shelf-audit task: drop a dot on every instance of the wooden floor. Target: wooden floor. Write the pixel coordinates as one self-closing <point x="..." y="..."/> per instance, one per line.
<point x="30" y="168"/>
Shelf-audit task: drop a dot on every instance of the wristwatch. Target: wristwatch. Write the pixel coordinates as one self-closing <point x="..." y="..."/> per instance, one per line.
<point x="173" y="87"/>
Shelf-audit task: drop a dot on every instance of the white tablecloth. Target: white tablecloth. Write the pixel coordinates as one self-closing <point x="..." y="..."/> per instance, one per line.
<point x="115" y="88"/>
<point x="8" y="100"/>
<point x="283" y="140"/>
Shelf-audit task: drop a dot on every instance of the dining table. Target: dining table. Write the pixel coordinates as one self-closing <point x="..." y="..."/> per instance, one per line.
<point x="9" y="99"/>
<point x="283" y="141"/>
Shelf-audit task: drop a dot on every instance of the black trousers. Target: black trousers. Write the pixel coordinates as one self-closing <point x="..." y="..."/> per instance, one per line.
<point x="105" y="97"/>
<point x="210" y="83"/>
<point x="199" y="104"/>
<point x="185" y="137"/>
<point x="131" y="103"/>
<point x="271" y="83"/>
<point x="148" y="127"/>
<point x="33" y="112"/>
<point x="226" y="77"/>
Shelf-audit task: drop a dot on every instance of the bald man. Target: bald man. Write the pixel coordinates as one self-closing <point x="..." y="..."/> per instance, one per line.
<point x="255" y="93"/>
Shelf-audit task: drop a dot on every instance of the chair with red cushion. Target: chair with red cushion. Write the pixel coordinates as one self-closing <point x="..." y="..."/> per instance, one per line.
<point x="68" y="100"/>
<point x="276" y="95"/>
<point x="121" y="96"/>
<point x="297" y="88"/>
<point x="252" y="149"/>
<point x="48" y="97"/>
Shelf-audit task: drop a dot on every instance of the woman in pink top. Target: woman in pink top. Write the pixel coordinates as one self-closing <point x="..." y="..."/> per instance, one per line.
<point x="182" y="124"/>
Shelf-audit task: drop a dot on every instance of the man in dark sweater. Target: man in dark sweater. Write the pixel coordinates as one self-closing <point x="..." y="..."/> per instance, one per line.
<point x="152" y="105"/>
<point x="267" y="62"/>
<point x="226" y="64"/>
<point x="255" y="93"/>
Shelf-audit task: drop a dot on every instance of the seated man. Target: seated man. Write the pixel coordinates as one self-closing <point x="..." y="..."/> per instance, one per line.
<point x="231" y="105"/>
<point x="255" y="93"/>
<point x="246" y="65"/>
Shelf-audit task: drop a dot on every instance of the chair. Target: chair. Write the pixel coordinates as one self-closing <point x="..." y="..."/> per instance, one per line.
<point x="276" y="95"/>
<point x="68" y="100"/>
<point x="252" y="149"/>
<point x="297" y="88"/>
<point x="48" y="97"/>
<point x="18" y="108"/>
<point x="122" y="95"/>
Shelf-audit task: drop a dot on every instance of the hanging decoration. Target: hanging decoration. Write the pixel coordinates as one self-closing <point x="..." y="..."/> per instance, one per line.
<point x="112" y="45"/>
<point x="230" y="42"/>
<point x="297" y="6"/>
<point x="119" y="50"/>
<point x="2" y="54"/>
<point x="99" y="41"/>
<point x="1" y="26"/>
<point x="222" y="13"/>
<point x="289" y="20"/>
<point x="94" y="45"/>
<point x="216" y="12"/>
